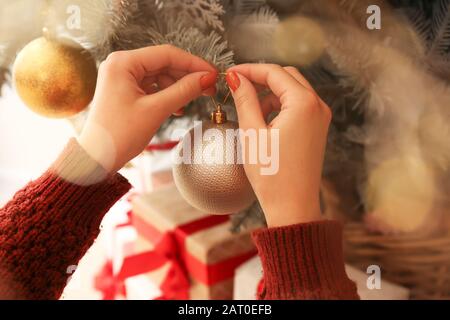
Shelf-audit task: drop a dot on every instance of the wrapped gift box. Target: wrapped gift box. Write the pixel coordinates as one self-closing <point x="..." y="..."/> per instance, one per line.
<point x="155" y="165"/>
<point x="249" y="274"/>
<point x="189" y="254"/>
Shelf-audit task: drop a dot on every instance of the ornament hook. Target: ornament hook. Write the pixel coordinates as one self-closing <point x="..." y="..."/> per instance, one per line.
<point x="218" y="116"/>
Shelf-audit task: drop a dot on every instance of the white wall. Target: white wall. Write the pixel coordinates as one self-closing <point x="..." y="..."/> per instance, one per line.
<point x="28" y="143"/>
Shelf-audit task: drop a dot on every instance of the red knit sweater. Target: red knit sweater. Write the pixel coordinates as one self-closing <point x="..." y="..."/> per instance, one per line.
<point x="51" y="222"/>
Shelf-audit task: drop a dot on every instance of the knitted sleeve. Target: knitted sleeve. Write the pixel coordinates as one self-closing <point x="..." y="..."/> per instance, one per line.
<point x="303" y="261"/>
<point x="51" y="222"/>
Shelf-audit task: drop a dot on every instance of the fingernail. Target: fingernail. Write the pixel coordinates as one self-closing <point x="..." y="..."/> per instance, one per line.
<point x="208" y="80"/>
<point x="233" y="80"/>
<point x="179" y="113"/>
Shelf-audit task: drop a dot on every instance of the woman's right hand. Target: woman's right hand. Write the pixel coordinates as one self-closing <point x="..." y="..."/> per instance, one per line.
<point x="291" y="195"/>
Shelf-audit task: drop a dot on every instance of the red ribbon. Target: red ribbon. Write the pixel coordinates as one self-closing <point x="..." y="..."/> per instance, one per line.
<point x="176" y="283"/>
<point x="109" y="284"/>
<point x="170" y="247"/>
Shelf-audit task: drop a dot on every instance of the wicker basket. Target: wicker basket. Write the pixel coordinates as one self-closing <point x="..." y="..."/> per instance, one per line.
<point x="421" y="264"/>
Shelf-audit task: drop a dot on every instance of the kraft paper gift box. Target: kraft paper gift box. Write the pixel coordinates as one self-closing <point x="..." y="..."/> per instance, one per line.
<point x="189" y="254"/>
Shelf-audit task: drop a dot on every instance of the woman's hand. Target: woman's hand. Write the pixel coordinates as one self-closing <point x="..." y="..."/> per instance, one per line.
<point x="291" y="195"/>
<point x="136" y="91"/>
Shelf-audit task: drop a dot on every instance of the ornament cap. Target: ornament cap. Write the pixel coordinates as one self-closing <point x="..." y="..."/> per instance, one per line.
<point x="48" y="34"/>
<point x="219" y="116"/>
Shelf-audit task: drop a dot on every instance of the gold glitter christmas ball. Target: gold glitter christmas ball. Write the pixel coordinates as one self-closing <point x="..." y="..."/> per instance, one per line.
<point x="55" y="78"/>
<point x="211" y="182"/>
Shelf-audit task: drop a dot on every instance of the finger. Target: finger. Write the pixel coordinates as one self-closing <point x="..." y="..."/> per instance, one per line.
<point x="275" y="77"/>
<point x="179" y="113"/>
<point x="179" y="94"/>
<point x="145" y="60"/>
<point x="212" y="91"/>
<point x="172" y="73"/>
<point x="176" y="74"/>
<point x="299" y="77"/>
<point x="246" y="101"/>
<point x="165" y="81"/>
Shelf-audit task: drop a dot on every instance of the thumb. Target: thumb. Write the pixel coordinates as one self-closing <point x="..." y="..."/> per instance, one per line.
<point x="179" y="94"/>
<point x="246" y="100"/>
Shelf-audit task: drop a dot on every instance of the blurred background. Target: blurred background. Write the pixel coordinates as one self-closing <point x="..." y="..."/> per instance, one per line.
<point x="382" y="66"/>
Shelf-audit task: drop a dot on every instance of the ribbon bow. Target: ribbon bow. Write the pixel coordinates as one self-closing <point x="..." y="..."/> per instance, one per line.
<point x="175" y="285"/>
<point x="109" y="284"/>
<point x="170" y="248"/>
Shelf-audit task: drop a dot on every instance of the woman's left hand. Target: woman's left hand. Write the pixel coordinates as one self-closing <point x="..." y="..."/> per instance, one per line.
<point x="136" y="92"/>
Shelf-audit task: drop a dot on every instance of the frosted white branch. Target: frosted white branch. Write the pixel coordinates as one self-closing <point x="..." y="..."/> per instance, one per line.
<point x="251" y="35"/>
<point x="202" y="13"/>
